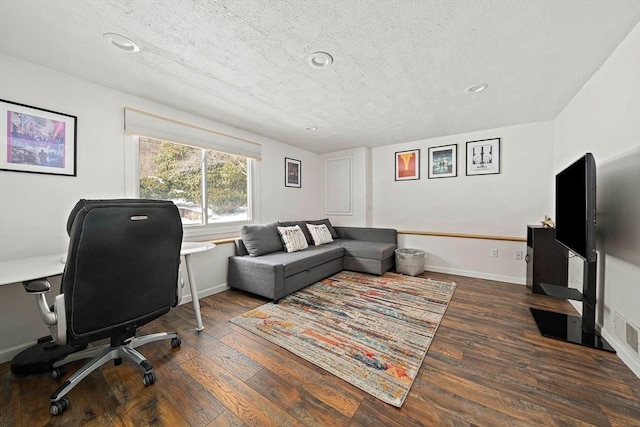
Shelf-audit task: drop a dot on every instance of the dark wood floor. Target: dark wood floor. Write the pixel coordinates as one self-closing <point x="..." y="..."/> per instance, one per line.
<point x="487" y="366"/>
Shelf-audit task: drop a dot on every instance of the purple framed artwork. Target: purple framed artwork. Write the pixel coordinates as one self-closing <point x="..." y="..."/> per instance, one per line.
<point x="36" y="140"/>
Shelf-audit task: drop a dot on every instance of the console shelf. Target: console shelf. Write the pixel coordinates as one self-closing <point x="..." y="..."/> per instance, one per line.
<point x="553" y="267"/>
<point x="568" y="328"/>
<point x="561" y="292"/>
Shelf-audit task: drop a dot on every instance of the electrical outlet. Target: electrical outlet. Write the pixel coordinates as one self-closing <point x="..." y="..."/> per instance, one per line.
<point x="493" y="253"/>
<point x="518" y="255"/>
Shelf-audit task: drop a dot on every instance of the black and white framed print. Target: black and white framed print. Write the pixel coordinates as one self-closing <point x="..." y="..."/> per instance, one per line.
<point x="483" y="157"/>
<point x="292" y="173"/>
<point x="443" y="161"/>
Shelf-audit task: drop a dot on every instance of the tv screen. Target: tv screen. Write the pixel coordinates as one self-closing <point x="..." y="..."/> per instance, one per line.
<point x="576" y="207"/>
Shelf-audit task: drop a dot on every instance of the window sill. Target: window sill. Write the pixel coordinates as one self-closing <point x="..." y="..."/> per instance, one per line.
<point x="212" y="232"/>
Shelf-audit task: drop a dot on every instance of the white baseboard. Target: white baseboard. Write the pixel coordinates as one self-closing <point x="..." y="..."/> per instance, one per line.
<point x="623" y="351"/>
<point x="206" y="292"/>
<point x="477" y="274"/>
<point x="6" y="354"/>
<point x="625" y="354"/>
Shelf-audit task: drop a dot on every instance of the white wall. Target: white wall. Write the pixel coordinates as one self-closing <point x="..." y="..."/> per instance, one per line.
<point x="34" y="208"/>
<point x="604" y="118"/>
<point x="502" y="204"/>
<point x="358" y="188"/>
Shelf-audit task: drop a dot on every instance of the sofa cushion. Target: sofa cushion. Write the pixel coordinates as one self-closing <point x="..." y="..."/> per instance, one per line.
<point x="303" y="227"/>
<point x="260" y="239"/>
<point x="320" y="234"/>
<point x="325" y="221"/>
<point x="364" y="249"/>
<point x="293" y="238"/>
<point x="295" y="262"/>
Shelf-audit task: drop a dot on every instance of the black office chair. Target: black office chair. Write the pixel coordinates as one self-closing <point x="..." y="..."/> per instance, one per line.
<point x="121" y="272"/>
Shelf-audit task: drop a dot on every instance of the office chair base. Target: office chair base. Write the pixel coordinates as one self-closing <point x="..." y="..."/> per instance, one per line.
<point x="102" y="355"/>
<point x="40" y="357"/>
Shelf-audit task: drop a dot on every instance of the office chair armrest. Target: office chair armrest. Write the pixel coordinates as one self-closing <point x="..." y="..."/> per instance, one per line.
<point x="180" y="286"/>
<point x="39" y="288"/>
<point x="56" y="319"/>
<point x="59" y="330"/>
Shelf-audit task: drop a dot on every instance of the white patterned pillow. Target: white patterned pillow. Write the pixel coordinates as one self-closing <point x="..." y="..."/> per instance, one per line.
<point x="293" y="238"/>
<point x="320" y="234"/>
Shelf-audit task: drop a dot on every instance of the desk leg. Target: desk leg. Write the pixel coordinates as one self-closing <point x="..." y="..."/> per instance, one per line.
<point x="194" y="293"/>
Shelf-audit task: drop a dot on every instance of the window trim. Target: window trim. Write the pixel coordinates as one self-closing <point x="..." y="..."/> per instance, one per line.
<point x="192" y="231"/>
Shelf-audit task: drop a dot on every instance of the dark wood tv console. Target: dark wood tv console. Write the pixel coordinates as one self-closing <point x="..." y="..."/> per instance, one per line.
<point x="546" y="259"/>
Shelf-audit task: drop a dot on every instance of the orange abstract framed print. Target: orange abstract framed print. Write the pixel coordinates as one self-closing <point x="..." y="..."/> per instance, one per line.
<point x="407" y="165"/>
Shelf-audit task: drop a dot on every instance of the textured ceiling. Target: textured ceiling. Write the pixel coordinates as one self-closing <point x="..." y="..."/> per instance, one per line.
<point x="399" y="73"/>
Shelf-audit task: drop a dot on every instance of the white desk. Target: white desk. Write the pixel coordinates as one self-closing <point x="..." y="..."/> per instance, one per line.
<point x="188" y="249"/>
<point x="25" y="269"/>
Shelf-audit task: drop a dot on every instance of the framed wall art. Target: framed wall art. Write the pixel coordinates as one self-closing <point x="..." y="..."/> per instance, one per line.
<point x="483" y="157"/>
<point x="36" y="140"/>
<point x="407" y="165"/>
<point x="292" y="173"/>
<point x="443" y="161"/>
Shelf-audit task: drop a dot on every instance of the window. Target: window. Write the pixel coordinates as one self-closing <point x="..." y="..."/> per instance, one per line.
<point x="175" y="172"/>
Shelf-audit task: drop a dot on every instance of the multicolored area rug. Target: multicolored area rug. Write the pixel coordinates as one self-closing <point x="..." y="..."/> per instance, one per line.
<point x="371" y="331"/>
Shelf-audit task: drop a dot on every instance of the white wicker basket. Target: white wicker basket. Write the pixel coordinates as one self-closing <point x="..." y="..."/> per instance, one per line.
<point x="410" y="261"/>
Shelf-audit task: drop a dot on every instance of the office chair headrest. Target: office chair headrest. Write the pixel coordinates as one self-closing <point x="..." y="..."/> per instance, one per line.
<point x="74" y="212"/>
<point x="88" y="204"/>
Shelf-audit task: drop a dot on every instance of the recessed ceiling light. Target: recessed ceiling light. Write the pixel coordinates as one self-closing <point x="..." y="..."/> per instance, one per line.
<point x="311" y="128"/>
<point x="320" y="59"/>
<point x="121" y="42"/>
<point x="477" y="88"/>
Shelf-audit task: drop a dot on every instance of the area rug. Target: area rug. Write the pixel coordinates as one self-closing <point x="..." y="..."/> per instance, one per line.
<point x="371" y="331"/>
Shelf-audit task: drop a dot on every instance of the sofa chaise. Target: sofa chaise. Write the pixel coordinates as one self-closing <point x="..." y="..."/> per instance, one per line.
<point x="263" y="266"/>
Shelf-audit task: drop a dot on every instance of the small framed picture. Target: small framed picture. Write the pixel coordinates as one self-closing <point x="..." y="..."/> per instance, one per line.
<point x="407" y="165"/>
<point x="292" y="173"/>
<point x="443" y="161"/>
<point x="483" y="157"/>
<point x="36" y="140"/>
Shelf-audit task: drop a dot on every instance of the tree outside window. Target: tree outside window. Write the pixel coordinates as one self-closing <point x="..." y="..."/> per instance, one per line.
<point x="171" y="171"/>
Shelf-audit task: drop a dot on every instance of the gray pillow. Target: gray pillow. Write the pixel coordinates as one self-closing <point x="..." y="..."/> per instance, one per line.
<point x="326" y="222"/>
<point x="260" y="239"/>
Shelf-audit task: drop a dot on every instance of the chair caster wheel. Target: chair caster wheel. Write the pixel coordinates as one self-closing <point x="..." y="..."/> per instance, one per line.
<point x="149" y="378"/>
<point x="58" y="372"/>
<point x="175" y="342"/>
<point x="59" y="407"/>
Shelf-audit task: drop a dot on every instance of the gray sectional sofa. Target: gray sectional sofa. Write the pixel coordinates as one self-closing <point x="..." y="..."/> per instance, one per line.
<point x="263" y="267"/>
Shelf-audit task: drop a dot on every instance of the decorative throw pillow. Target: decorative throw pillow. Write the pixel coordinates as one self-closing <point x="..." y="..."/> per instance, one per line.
<point x="326" y="222"/>
<point x="293" y="238"/>
<point x="301" y="224"/>
<point x="260" y="239"/>
<point x="320" y="234"/>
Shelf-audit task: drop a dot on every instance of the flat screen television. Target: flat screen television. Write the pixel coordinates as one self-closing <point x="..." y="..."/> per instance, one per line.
<point x="576" y="207"/>
<point x="576" y="231"/>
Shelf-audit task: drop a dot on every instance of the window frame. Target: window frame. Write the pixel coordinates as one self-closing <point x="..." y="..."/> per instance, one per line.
<point x="190" y="231"/>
